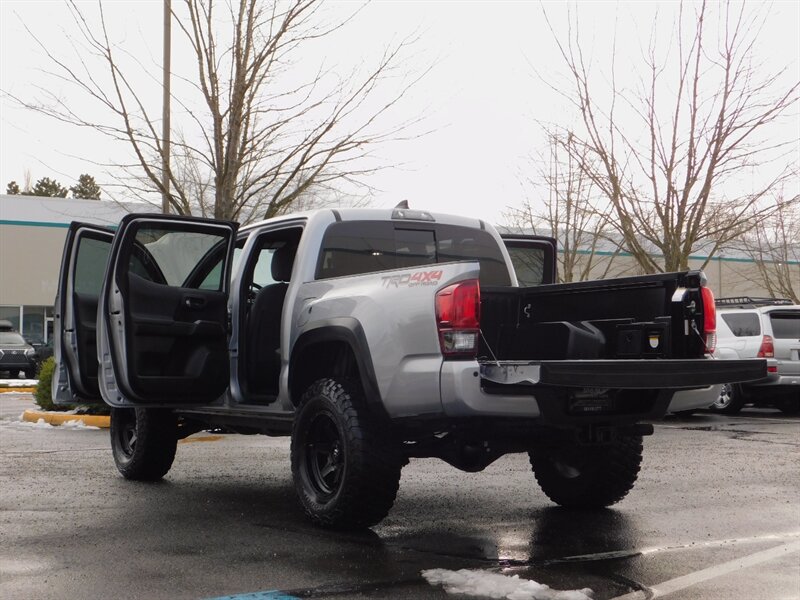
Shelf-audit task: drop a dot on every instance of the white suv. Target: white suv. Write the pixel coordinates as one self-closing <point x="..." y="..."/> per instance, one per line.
<point x="760" y="328"/>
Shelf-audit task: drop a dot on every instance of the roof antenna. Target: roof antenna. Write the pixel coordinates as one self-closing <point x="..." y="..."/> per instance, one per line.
<point x="403" y="204"/>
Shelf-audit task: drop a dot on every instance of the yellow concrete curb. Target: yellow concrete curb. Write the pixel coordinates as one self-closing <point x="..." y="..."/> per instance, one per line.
<point x="53" y="418"/>
<point x="24" y="390"/>
<point x="200" y="438"/>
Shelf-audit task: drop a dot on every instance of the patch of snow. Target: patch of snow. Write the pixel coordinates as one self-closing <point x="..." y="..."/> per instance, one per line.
<point x="494" y="585"/>
<point x="77" y="425"/>
<point x="40" y="424"/>
<point x="12" y="383"/>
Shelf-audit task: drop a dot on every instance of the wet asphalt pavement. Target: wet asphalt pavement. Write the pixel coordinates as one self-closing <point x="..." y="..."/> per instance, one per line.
<point x="715" y="514"/>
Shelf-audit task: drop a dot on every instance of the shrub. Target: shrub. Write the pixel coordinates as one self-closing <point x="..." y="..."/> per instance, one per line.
<point x="42" y="393"/>
<point x="45" y="402"/>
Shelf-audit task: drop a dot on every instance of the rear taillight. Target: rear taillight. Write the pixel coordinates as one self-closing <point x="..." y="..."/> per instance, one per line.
<point x="709" y="319"/>
<point x="458" y="315"/>
<point x="767" y="349"/>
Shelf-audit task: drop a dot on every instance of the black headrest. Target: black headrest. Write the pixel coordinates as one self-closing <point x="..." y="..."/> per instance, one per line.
<point x="282" y="262"/>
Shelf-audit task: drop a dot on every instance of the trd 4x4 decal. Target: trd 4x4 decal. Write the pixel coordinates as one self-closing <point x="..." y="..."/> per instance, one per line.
<point x="412" y="279"/>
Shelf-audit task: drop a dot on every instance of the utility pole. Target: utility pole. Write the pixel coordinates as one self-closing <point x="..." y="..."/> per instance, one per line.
<point x="166" y="112"/>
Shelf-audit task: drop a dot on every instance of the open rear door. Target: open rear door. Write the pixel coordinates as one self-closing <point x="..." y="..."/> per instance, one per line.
<point x="163" y="317"/>
<point x="533" y="257"/>
<point x="83" y="264"/>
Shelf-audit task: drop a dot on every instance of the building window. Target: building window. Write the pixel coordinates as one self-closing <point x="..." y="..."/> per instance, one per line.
<point x="12" y="314"/>
<point x="33" y="324"/>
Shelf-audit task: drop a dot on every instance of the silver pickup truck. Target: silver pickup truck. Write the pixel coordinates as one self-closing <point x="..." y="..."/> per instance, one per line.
<point x="372" y="337"/>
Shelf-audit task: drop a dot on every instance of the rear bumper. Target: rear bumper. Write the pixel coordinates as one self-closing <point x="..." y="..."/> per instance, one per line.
<point x="776" y="380"/>
<point x="542" y="390"/>
<point x="625" y="374"/>
<point x="694" y="399"/>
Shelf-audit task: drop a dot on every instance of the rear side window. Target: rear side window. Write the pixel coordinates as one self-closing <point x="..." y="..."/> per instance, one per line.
<point x="90" y="265"/>
<point x="356" y="247"/>
<point x="785" y="325"/>
<point x="742" y="324"/>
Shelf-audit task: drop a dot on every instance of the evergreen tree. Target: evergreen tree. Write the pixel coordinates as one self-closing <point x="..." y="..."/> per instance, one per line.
<point x="48" y="187"/>
<point x="12" y="188"/>
<point x="86" y="188"/>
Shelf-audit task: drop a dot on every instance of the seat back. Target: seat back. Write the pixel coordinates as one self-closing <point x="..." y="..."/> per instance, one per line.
<point x="264" y="325"/>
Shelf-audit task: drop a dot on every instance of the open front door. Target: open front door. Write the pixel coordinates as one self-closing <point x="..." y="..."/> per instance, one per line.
<point x="83" y="264"/>
<point x="163" y="316"/>
<point x="533" y="257"/>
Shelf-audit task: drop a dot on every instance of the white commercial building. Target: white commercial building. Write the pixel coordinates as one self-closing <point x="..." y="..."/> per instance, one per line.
<point x="32" y="233"/>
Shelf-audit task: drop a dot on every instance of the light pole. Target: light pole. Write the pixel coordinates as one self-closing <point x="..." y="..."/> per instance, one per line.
<point x="165" y="107"/>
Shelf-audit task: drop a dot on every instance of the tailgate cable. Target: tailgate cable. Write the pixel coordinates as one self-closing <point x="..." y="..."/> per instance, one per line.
<point x="489" y="348"/>
<point x="702" y="340"/>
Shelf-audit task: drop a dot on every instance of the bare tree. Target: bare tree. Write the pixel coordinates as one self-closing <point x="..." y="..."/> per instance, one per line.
<point x="667" y="167"/>
<point x="774" y="246"/>
<point x="567" y="209"/>
<point x="256" y="142"/>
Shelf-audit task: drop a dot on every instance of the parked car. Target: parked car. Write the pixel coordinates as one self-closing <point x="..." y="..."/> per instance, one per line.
<point x="44" y="350"/>
<point x="760" y="328"/>
<point x="16" y="355"/>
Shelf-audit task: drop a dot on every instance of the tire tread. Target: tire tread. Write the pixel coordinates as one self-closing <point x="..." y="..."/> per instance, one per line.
<point x="156" y="444"/>
<point x="613" y="471"/>
<point x="372" y="475"/>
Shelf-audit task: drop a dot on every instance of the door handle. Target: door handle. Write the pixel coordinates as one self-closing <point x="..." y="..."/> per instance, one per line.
<point x="194" y="301"/>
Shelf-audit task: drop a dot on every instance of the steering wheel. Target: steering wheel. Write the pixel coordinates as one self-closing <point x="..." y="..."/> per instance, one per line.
<point x="252" y="291"/>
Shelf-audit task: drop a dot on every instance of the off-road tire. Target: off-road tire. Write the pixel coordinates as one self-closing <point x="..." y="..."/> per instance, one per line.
<point x="143" y="442"/>
<point x="580" y="476"/>
<point x="730" y="401"/>
<point x="349" y="481"/>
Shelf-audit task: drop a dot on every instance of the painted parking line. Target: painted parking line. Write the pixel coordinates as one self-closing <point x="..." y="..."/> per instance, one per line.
<point x="267" y="595"/>
<point x="686" y="581"/>
<point x="760" y="539"/>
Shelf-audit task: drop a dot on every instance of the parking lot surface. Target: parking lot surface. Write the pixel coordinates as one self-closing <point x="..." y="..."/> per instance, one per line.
<point x="715" y="514"/>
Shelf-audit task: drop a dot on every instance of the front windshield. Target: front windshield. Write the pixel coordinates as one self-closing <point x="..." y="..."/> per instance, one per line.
<point x="11" y="338"/>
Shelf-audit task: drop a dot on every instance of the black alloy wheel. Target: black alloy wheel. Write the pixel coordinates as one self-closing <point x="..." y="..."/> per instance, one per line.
<point x="324" y="456"/>
<point x="345" y="462"/>
<point x="143" y="442"/>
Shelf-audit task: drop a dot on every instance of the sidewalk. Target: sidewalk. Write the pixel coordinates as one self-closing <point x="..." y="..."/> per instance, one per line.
<point x="13" y="404"/>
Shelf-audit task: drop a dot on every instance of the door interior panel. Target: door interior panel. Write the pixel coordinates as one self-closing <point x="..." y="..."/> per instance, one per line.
<point x="86" y="338"/>
<point x="176" y="341"/>
<point x="86" y="253"/>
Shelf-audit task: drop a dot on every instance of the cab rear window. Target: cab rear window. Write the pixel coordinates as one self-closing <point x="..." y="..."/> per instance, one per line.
<point x="356" y="247"/>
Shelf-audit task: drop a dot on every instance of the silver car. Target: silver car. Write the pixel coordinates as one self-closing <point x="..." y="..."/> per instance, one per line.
<point x="760" y="328"/>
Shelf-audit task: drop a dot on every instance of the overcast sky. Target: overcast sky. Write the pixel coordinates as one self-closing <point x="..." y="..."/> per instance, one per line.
<point x="481" y="101"/>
